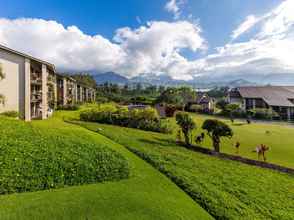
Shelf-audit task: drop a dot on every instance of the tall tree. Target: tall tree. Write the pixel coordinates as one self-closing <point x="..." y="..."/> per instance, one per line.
<point x="217" y="129"/>
<point x="185" y="121"/>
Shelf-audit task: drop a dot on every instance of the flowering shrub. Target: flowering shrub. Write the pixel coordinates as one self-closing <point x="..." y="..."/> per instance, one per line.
<point x="144" y="119"/>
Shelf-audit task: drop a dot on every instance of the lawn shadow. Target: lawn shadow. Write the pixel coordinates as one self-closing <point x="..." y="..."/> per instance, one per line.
<point x="239" y="124"/>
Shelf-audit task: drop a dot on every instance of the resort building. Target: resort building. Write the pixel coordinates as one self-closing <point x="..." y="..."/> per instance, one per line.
<point x="278" y="98"/>
<point x="32" y="88"/>
<point x="203" y="101"/>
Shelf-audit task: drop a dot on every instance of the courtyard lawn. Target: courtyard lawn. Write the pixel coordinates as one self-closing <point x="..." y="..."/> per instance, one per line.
<point x="226" y="189"/>
<point x="146" y="194"/>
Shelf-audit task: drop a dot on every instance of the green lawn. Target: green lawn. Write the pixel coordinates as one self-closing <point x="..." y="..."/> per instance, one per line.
<point x="277" y="137"/>
<point x="226" y="189"/>
<point x="146" y="194"/>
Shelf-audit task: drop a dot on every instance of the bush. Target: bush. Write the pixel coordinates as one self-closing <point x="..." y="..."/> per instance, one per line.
<point x="11" y="114"/>
<point x="263" y="113"/>
<point x="52" y="158"/>
<point x="144" y="119"/>
<point x="68" y="107"/>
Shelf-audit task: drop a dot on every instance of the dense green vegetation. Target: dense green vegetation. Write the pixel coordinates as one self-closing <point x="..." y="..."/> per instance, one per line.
<point x="84" y="79"/>
<point x="145" y="195"/>
<point x="226" y="189"/>
<point x="136" y="94"/>
<point x="37" y="159"/>
<point x="145" y="119"/>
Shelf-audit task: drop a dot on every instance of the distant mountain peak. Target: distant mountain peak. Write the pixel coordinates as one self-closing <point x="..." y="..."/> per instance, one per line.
<point x="110" y="77"/>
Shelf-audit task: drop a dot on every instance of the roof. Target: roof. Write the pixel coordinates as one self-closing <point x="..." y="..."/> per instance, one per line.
<point x="27" y="56"/>
<point x="202" y="98"/>
<point x="272" y="95"/>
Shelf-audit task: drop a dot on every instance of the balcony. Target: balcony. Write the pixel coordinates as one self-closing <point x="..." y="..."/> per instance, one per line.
<point x="36" y="96"/>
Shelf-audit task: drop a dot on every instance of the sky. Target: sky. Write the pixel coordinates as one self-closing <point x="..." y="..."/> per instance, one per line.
<point x="184" y="39"/>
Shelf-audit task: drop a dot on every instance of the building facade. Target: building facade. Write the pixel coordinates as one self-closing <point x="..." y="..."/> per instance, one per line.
<point x="278" y="98"/>
<point x="32" y="88"/>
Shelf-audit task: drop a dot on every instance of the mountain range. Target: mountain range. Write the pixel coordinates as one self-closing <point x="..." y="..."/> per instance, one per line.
<point x="232" y="80"/>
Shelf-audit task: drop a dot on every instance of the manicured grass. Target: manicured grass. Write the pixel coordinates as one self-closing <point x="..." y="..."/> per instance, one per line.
<point x="226" y="189"/>
<point x="147" y="194"/>
<point x="277" y="137"/>
<point x="37" y="158"/>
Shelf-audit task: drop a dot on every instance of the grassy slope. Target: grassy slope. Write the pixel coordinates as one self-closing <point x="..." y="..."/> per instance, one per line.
<point x="227" y="189"/>
<point x="147" y="194"/>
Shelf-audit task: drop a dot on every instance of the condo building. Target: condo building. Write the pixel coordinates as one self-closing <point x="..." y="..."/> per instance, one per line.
<point x="32" y="87"/>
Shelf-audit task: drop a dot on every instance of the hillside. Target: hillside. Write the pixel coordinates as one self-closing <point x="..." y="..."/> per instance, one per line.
<point x="145" y="195"/>
<point x="226" y="189"/>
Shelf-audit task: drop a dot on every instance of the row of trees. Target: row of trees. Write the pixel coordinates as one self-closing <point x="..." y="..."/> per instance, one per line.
<point x="215" y="129"/>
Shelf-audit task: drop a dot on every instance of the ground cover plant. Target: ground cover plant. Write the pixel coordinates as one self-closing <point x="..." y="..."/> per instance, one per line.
<point x="146" y="194"/>
<point x="145" y="119"/>
<point x="226" y="189"/>
<point x="37" y="159"/>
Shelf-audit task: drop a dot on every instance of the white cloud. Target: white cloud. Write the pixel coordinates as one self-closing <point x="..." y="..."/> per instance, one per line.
<point x="270" y="51"/>
<point x="249" y="22"/>
<point x="174" y="7"/>
<point x="68" y="48"/>
<point x="150" y="48"/>
<point x="153" y="48"/>
<point x="157" y="47"/>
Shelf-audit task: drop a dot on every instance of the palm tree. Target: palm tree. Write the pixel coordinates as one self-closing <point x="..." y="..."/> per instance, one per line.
<point x="217" y="129"/>
<point x="185" y="121"/>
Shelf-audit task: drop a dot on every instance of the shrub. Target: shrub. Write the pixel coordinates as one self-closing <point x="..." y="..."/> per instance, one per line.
<point x="144" y="119"/>
<point x="68" y="107"/>
<point x="263" y="113"/>
<point x="11" y="114"/>
<point x="53" y="158"/>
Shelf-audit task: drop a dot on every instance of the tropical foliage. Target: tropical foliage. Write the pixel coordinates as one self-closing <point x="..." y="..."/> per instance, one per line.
<point x="145" y="119"/>
<point x="217" y="129"/>
<point x="185" y="121"/>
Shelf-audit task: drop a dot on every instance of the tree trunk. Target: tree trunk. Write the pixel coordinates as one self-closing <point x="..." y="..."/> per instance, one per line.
<point x="187" y="139"/>
<point x="216" y="143"/>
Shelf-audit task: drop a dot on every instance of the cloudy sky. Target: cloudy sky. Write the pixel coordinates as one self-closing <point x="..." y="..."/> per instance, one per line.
<point x="182" y="38"/>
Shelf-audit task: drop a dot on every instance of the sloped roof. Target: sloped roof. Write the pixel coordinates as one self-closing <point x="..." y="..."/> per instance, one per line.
<point x="272" y="95"/>
<point x="27" y="56"/>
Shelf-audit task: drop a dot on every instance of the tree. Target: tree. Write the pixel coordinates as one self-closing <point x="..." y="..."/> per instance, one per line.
<point x="221" y="104"/>
<point x="217" y="129"/>
<point x="2" y="76"/>
<point x="185" y="121"/>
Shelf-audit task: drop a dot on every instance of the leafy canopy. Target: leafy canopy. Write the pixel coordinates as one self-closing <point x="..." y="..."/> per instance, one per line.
<point x="217" y="128"/>
<point x="185" y="121"/>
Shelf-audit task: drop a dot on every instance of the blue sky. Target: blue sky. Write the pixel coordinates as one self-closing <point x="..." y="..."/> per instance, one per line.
<point x="217" y="17"/>
<point x="213" y="21"/>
